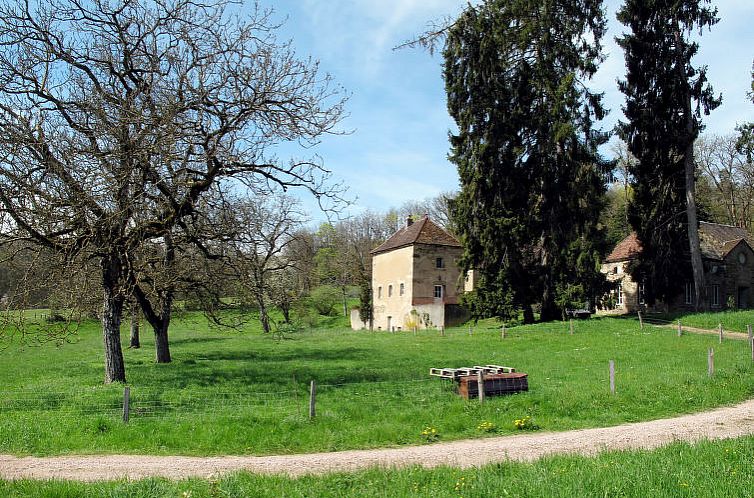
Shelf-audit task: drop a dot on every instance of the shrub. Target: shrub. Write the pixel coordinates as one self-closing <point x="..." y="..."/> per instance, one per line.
<point x="325" y="298"/>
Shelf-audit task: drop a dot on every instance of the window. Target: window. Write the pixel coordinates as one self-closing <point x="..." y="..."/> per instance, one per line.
<point x="619" y="293"/>
<point x="715" y="295"/>
<point x="439" y="263"/>
<point x="615" y="270"/>
<point x="389" y="291"/>
<point x="438" y="291"/>
<point x="689" y="293"/>
<point x="402" y="289"/>
<point x="379" y="292"/>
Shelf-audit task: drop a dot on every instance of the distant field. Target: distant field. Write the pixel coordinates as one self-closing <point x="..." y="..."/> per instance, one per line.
<point x="247" y="393"/>
<point x="706" y="469"/>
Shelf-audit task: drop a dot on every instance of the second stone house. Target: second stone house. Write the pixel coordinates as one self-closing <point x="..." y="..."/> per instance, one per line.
<point x="416" y="281"/>
<point x="728" y="261"/>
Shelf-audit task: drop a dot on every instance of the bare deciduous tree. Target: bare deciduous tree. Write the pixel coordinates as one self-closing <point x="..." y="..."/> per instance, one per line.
<point x="259" y="232"/>
<point x="727" y="169"/>
<point x="118" y="117"/>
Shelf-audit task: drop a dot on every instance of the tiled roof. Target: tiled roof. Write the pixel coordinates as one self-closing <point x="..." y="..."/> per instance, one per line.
<point x="626" y="249"/>
<point x="716" y="242"/>
<point x="423" y="231"/>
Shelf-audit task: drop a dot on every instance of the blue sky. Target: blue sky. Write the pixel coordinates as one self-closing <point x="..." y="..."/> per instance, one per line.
<point x="397" y="148"/>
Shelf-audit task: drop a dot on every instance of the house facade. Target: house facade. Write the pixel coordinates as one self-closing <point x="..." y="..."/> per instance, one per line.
<point x="415" y="279"/>
<point x="728" y="260"/>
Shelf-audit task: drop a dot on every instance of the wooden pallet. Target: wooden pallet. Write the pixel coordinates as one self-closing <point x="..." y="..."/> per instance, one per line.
<point x="457" y="373"/>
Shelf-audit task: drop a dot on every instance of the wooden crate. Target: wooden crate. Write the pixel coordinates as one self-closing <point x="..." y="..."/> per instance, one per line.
<point x="494" y="384"/>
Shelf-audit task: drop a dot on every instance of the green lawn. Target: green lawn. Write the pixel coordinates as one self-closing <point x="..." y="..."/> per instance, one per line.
<point x="732" y="321"/>
<point x="246" y="393"/>
<point x="708" y="469"/>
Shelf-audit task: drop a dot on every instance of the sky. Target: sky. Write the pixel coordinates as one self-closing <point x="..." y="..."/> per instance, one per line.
<point x="396" y="142"/>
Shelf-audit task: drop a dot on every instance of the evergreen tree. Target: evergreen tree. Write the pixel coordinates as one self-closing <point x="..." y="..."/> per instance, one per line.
<point x="746" y="131"/>
<point x="660" y="87"/>
<point x="526" y="152"/>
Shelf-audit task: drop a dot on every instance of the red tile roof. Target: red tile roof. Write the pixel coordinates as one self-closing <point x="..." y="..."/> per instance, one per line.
<point x="716" y="242"/>
<point x="628" y="248"/>
<point x="423" y="231"/>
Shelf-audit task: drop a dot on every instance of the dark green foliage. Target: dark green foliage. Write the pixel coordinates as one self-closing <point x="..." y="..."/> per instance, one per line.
<point x="746" y="131"/>
<point x="526" y="151"/>
<point x="365" y="300"/>
<point x="660" y="85"/>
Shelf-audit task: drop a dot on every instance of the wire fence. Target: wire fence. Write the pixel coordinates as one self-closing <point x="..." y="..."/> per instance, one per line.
<point x="344" y="398"/>
<point x="135" y="403"/>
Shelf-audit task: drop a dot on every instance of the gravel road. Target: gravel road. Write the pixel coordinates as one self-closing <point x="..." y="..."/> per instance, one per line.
<point x="722" y="423"/>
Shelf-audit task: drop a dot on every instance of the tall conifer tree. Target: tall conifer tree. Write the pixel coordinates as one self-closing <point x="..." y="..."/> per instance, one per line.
<point x="526" y="151"/>
<point x="665" y="96"/>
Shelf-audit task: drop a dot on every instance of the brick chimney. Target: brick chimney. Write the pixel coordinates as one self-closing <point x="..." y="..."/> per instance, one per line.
<point x="409" y="221"/>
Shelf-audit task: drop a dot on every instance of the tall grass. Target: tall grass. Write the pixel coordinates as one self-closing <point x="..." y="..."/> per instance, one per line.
<point x="247" y="393"/>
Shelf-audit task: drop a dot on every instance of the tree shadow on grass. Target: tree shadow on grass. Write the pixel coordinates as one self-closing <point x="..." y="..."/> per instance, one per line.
<point x="242" y="369"/>
<point x="197" y="340"/>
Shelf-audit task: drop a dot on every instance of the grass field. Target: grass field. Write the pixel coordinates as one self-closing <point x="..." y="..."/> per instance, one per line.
<point x="708" y="469"/>
<point x="247" y="393"/>
<point x="732" y="321"/>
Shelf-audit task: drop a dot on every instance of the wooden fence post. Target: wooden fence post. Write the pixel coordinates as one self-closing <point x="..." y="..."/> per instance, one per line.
<point x="710" y="362"/>
<point x="414" y="329"/>
<point x="570" y="325"/>
<point x="126" y="403"/>
<point x="680" y="330"/>
<point x="612" y="376"/>
<point x="480" y="385"/>
<point x="752" y="349"/>
<point x="748" y="329"/>
<point x="720" y="330"/>
<point x="641" y="322"/>
<point x="442" y="331"/>
<point x="502" y="332"/>
<point x="312" y="399"/>
<point x="470" y="330"/>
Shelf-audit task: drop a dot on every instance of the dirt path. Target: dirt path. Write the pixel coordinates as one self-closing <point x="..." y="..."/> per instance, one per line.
<point x="722" y="423"/>
<point x="743" y="336"/>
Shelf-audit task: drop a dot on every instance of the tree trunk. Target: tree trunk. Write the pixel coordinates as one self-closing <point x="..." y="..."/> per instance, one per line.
<point x="528" y="314"/>
<point x="693" y="224"/>
<point x="134" y="342"/>
<point x="693" y="229"/>
<point x="264" y="316"/>
<point x="285" y="309"/>
<point x="161" y="343"/>
<point x="345" y="302"/>
<point x="112" y="312"/>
